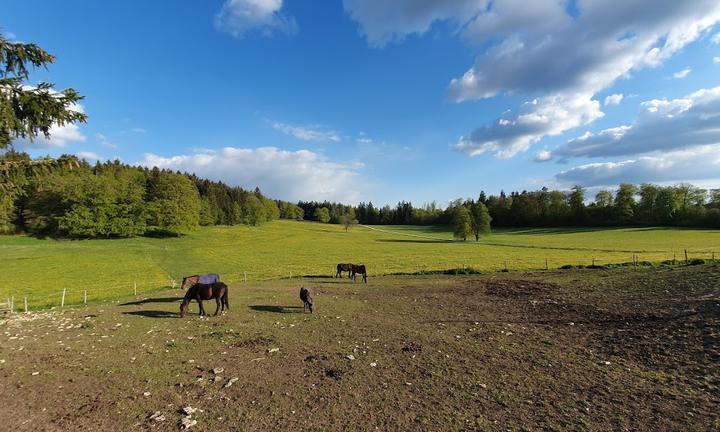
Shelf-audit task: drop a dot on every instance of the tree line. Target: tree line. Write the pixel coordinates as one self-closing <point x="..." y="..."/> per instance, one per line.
<point x="628" y="205"/>
<point x="111" y="199"/>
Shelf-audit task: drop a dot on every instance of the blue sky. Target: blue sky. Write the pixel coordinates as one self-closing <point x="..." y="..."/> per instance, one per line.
<point x="421" y="100"/>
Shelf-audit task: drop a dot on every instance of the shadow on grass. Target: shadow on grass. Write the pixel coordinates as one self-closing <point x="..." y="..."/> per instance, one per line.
<point x="154" y="314"/>
<point x="276" y="309"/>
<point x="152" y="300"/>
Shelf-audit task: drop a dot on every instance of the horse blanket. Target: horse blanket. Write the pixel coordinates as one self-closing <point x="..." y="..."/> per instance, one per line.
<point x="207" y="279"/>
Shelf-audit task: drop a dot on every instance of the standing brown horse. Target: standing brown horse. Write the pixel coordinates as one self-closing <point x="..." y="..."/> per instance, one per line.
<point x="200" y="292"/>
<point x="359" y="269"/>
<point x="344" y="268"/>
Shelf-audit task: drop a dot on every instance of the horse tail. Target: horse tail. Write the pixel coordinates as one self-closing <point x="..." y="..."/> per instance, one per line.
<point x="225" y="297"/>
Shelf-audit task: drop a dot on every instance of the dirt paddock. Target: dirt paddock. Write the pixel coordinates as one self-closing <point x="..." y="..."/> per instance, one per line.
<point x="568" y="350"/>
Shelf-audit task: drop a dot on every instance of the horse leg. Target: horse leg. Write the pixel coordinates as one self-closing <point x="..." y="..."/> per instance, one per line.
<point x="202" y="309"/>
<point x="217" y="305"/>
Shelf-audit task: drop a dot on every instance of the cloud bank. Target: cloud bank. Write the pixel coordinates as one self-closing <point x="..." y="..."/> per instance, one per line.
<point x="560" y="54"/>
<point x="282" y="174"/>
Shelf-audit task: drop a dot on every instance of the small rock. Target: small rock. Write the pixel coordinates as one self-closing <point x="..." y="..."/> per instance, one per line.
<point x="273" y="350"/>
<point x="373" y="364"/>
<point x="218" y="371"/>
<point x="350" y="357"/>
<point x="157" y="416"/>
<point x="187" y="423"/>
<point x="146" y="394"/>
<point x="231" y="382"/>
<point x="188" y="410"/>
<point x="35" y="373"/>
<point x="217" y="378"/>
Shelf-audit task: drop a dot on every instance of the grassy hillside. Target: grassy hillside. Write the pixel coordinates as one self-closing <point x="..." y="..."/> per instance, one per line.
<point x="41" y="269"/>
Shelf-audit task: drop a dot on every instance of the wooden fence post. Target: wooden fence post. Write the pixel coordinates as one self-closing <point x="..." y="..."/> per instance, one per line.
<point x="12" y="304"/>
<point x="245" y="276"/>
<point x="85" y="297"/>
<point x="135" y="288"/>
<point x="62" y="302"/>
<point x="26" y="309"/>
<point x="686" y="257"/>
<point x="546" y="264"/>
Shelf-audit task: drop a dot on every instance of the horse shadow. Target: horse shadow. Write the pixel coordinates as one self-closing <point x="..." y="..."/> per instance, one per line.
<point x="276" y="309"/>
<point x="154" y="314"/>
<point x="152" y="300"/>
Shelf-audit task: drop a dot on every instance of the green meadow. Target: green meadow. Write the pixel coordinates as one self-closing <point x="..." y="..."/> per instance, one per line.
<point x="40" y="269"/>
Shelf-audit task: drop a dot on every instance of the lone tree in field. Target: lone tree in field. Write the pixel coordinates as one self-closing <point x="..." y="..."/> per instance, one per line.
<point x="348" y="221"/>
<point x="480" y="219"/>
<point x="322" y="214"/>
<point x="462" y="223"/>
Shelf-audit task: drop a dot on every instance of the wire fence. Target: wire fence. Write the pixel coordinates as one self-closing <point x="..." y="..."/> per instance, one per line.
<point x="18" y="300"/>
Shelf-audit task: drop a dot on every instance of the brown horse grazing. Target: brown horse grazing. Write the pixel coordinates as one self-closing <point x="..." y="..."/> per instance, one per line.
<point x="359" y="268"/>
<point x="344" y="268"/>
<point x="200" y="292"/>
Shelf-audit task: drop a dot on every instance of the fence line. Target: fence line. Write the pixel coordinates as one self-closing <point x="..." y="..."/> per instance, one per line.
<point x="81" y="296"/>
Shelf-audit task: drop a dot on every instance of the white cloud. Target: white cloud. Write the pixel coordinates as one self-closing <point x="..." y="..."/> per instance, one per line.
<point x="698" y="163"/>
<point x="716" y="60"/>
<point x="238" y="17"/>
<point x="605" y="42"/>
<point x="88" y="156"/>
<point x="364" y="140"/>
<point x="716" y="38"/>
<point x="661" y="125"/>
<point x="105" y="142"/>
<point x="613" y="99"/>
<point x="307" y="133"/>
<point x="682" y="74"/>
<point x="383" y="21"/>
<point x="516" y="132"/>
<point x="138" y="130"/>
<point x="281" y="174"/>
<point x="60" y="136"/>
<point x="543" y="156"/>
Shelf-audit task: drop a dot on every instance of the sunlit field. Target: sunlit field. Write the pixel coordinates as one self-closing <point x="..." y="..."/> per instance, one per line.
<point x="40" y="269"/>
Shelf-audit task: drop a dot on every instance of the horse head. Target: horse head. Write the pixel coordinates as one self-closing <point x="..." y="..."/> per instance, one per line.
<point x="183" y="307"/>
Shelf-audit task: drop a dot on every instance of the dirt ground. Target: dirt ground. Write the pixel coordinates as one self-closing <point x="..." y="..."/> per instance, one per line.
<point x="567" y="350"/>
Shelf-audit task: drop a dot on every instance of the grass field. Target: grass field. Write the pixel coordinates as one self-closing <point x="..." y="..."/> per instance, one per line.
<point x="580" y="350"/>
<point x="41" y="269"/>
